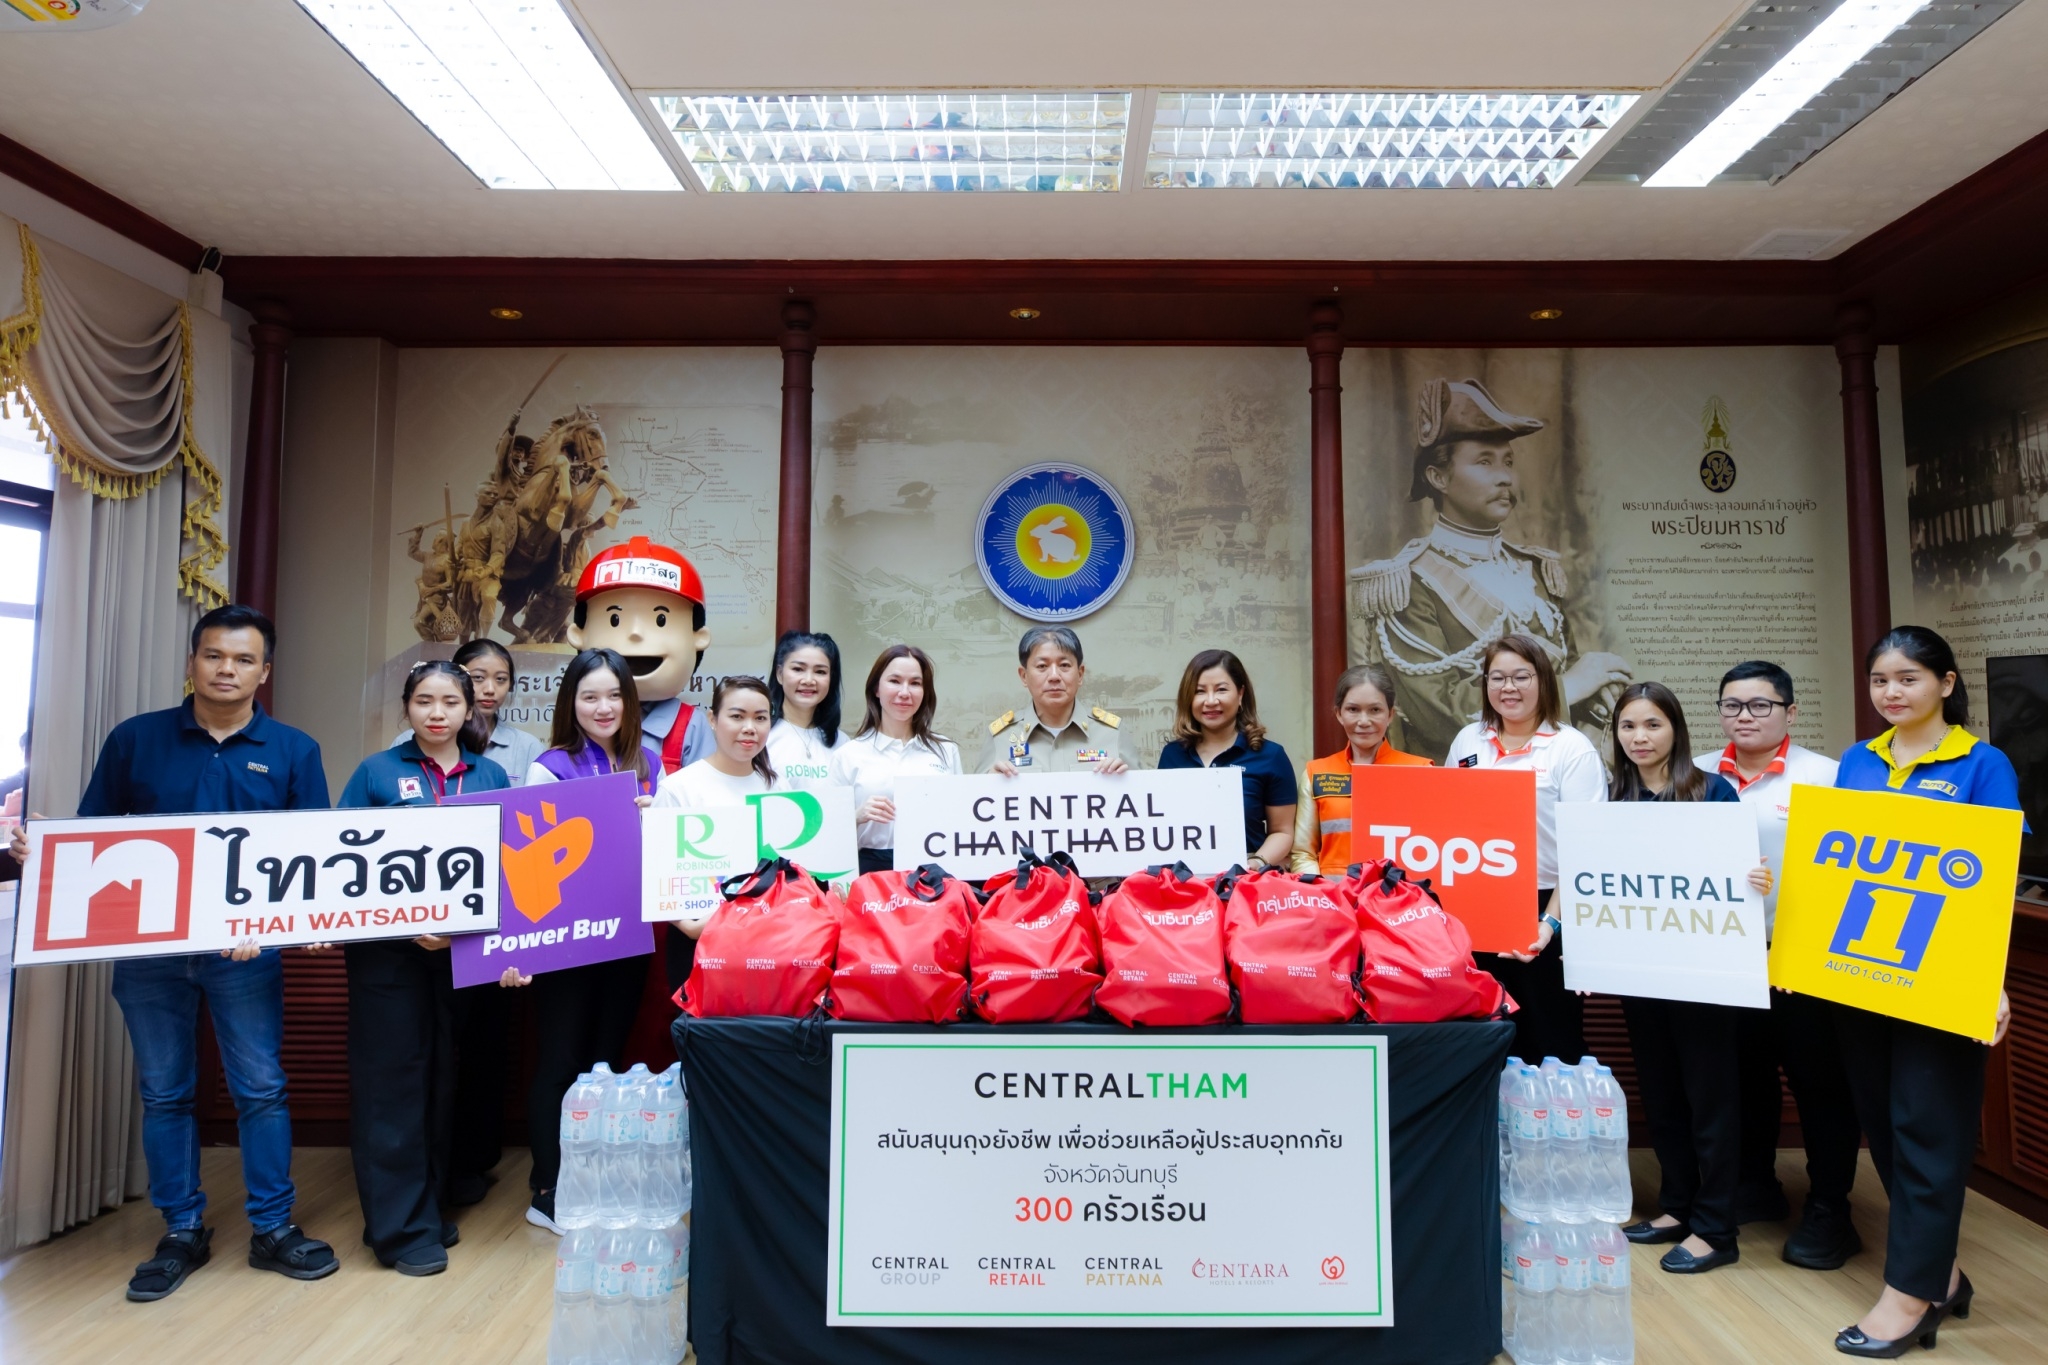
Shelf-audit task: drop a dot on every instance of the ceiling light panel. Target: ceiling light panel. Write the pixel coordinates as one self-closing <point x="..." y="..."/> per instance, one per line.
<point x="908" y="141"/>
<point x="1784" y="82"/>
<point x="509" y="86"/>
<point x="1374" y="140"/>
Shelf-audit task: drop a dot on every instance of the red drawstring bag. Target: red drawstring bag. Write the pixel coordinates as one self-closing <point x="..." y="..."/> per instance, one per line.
<point x="1162" y="951"/>
<point x="768" y="949"/>
<point x="1292" y="945"/>
<point x="903" y="948"/>
<point x="1418" y="960"/>
<point x="1034" y="948"/>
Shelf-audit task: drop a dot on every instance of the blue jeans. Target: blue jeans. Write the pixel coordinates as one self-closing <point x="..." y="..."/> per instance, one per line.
<point x="160" y="997"/>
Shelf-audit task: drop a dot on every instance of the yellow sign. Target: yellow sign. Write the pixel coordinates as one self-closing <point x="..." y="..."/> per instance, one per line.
<point x="1900" y="905"/>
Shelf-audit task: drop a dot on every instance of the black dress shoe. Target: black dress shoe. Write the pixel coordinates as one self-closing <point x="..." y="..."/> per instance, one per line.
<point x="1648" y="1234"/>
<point x="1824" y="1240"/>
<point x="1850" y="1341"/>
<point x="1957" y="1305"/>
<point x="1679" y="1261"/>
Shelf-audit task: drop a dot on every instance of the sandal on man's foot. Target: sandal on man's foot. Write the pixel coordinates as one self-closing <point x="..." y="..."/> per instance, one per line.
<point x="291" y="1252"/>
<point x="179" y="1253"/>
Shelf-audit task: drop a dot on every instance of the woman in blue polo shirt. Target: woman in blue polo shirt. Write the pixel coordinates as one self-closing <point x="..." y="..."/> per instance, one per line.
<point x="401" y="994"/>
<point x="1918" y="1090"/>
<point x="1216" y="725"/>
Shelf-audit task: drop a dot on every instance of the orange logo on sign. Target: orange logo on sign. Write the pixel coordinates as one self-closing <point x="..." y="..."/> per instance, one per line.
<point x="535" y="873"/>
<point x="1471" y="831"/>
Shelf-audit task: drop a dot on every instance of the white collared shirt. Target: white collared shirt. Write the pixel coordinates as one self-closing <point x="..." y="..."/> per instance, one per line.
<point x="872" y="762"/>
<point x="1769" y="798"/>
<point x="1566" y="766"/>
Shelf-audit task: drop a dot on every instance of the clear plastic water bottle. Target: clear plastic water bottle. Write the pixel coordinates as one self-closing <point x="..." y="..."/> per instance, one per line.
<point x="1571" y="1311"/>
<point x="1586" y="1067"/>
<point x="619" y="1340"/>
<point x="1527" y="1195"/>
<point x="619" y="1147"/>
<point x="1609" y="1194"/>
<point x="679" y="1295"/>
<point x="647" y="1284"/>
<point x="572" y="1340"/>
<point x="661" y="1165"/>
<point x="1510" y="1233"/>
<point x="1507" y="1078"/>
<point x="1535" y="1291"/>
<point x="1611" y="1327"/>
<point x="576" y="1186"/>
<point x="1569" y="1170"/>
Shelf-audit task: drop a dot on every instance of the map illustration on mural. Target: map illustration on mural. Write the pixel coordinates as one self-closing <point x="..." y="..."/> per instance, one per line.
<point x="1054" y="542"/>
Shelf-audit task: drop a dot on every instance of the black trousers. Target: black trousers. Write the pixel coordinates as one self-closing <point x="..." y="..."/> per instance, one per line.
<point x="1550" y="1020"/>
<point x="483" y="1045"/>
<point x="1686" y="1066"/>
<point x="1920" y="1094"/>
<point x="678" y="955"/>
<point x="401" y="1073"/>
<point x="877" y="860"/>
<point x="583" y="1016"/>
<point x="1797" y="1033"/>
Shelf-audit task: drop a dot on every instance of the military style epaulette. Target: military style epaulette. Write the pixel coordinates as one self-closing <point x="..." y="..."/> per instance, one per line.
<point x="1108" y="718"/>
<point x="1001" y="723"/>
<point x="1381" y="587"/>
<point x="1550" y="562"/>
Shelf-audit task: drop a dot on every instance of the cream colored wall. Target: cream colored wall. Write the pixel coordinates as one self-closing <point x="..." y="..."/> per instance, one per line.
<point x="334" y="544"/>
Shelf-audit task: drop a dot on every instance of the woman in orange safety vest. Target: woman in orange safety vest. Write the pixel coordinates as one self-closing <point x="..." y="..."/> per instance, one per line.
<point x="1322" y="822"/>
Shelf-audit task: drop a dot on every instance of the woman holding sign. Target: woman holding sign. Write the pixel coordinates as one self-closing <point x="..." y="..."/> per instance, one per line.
<point x="1685" y="1052"/>
<point x="1216" y="725"/>
<point x="1322" y="826"/>
<point x="1919" y="1091"/>
<point x="401" y="995"/>
<point x="583" y="1015"/>
<point x="895" y="740"/>
<point x="1522" y="727"/>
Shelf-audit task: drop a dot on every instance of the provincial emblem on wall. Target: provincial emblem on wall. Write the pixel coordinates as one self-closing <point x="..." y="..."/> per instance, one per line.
<point x="1717" y="465"/>
<point x="1054" y="542"/>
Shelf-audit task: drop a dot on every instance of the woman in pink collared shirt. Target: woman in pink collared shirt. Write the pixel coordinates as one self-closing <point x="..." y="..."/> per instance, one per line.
<point x="1522" y="725"/>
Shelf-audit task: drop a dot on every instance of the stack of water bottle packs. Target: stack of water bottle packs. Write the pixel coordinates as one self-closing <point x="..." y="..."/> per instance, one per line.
<point x="1565" y="1188"/>
<point x="622" y="1270"/>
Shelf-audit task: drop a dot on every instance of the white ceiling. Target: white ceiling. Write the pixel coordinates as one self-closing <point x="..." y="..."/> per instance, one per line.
<point x="241" y="124"/>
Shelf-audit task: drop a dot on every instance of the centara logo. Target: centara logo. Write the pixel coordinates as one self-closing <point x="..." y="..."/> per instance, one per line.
<point x="1885" y="922"/>
<point x="1456" y="856"/>
<point x="1239" y="1270"/>
<point x="106" y="890"/>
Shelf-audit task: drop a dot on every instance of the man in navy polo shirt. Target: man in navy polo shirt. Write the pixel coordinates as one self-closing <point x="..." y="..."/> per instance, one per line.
<point x="217" y="751"/>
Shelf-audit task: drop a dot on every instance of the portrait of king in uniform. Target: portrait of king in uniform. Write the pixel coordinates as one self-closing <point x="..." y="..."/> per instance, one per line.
<point x="1427" y="612"/>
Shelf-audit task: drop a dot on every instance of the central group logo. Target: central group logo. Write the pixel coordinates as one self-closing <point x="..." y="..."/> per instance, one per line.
<point x="1054" y="542"/>
<point x="114" y="889"/>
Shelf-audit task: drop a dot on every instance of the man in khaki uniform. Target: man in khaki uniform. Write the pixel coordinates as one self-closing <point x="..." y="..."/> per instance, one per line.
<point x="1053" y="735"/>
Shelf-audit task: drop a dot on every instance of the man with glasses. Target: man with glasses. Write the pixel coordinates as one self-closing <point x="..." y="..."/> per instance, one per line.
<point x="1763" y="765"/>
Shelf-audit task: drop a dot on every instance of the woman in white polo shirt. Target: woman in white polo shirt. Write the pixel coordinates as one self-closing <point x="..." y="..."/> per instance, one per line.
<point x="894" y="740"/>
<point x="1522" y="726"/>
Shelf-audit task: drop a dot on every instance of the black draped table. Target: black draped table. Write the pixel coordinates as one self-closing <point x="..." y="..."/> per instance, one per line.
<point x="760" y="1099"/>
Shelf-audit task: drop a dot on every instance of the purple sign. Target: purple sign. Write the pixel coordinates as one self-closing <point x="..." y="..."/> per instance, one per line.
<point x="569" y="880"/>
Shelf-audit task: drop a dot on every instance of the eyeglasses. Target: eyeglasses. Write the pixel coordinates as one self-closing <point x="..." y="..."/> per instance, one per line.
<point x="1760" y="707"/>
<point x="1510" y="679"/>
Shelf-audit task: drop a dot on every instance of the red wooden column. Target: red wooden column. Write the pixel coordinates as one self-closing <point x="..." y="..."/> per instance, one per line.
<point x="1870" y="596"/>
<point x="1326" y="519"/>
<point x="793" y="525"/>
<point x="255" y="578"/>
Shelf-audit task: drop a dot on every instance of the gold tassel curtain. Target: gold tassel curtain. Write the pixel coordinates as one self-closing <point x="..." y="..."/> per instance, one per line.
<point x="118" y="409"/>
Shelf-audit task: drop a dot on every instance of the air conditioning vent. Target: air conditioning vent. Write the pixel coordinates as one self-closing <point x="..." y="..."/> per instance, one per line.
<point x="1794" y="244"/>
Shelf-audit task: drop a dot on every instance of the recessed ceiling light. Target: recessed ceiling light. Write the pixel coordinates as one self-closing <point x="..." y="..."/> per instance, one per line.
<point x="1547" y="314"/>
<point x="509" y="86"/>
<point x="507" y="314"/>
<point x="914" y="140"/>
<point x="1821" y="58"/>
<point x="1023" y="314"/>
<point x="1374" y="139"/>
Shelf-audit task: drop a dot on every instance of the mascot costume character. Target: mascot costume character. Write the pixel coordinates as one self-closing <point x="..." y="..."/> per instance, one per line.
<point x="647" y="602"/>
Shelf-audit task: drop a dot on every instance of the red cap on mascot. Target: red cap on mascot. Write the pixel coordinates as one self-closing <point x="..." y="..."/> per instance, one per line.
<point x="640" y="563"/>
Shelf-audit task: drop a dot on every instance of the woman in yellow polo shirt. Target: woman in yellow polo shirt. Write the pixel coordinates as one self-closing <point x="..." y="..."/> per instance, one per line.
<point x="1322" y="821"/>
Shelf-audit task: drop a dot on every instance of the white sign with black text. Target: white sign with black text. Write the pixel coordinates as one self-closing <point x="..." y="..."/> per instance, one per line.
<point x="161" y="885"/>
<point x="1655" y="901"/>
<point x="1091" y="1180"/>
<point x="977" y="826"/>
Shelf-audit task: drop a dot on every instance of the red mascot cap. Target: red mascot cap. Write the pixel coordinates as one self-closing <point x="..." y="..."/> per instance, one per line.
<point x="640" y="563"/>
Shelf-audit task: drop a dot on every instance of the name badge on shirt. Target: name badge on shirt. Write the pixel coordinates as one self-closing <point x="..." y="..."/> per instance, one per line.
<point x="1469" y="761"/>
<point x="1935" y="784"/>
<point x="410" y="789"/>
<point x="1091" y="756"/>
<point x="1020" y="755"/>
<point x="259" y="767"/>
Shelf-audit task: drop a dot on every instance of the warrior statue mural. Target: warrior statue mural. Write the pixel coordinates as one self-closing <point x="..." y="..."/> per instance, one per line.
<point x="512" y="564"/>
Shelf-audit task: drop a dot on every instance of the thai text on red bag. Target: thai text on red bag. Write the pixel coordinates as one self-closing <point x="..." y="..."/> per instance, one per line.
<point x="768" y="948"/>
<point x="1035" y="952"/>
<point x="1162" y="950"/>
<point x="1417" y="965"/>
<point x="903" y="948"/>
<point x="1292" y="945"/>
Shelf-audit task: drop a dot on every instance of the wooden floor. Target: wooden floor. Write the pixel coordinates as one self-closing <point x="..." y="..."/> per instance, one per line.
<point x="62" y="1302"/>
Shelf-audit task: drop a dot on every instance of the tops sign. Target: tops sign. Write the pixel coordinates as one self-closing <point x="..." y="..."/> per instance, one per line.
<point x="1471" y="831"/>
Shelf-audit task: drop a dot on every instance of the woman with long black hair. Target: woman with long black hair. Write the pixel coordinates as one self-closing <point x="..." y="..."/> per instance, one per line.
<point x="1919" y="1091"/>
<point x="401" y="994"/>
<point x="803" y="705"/>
